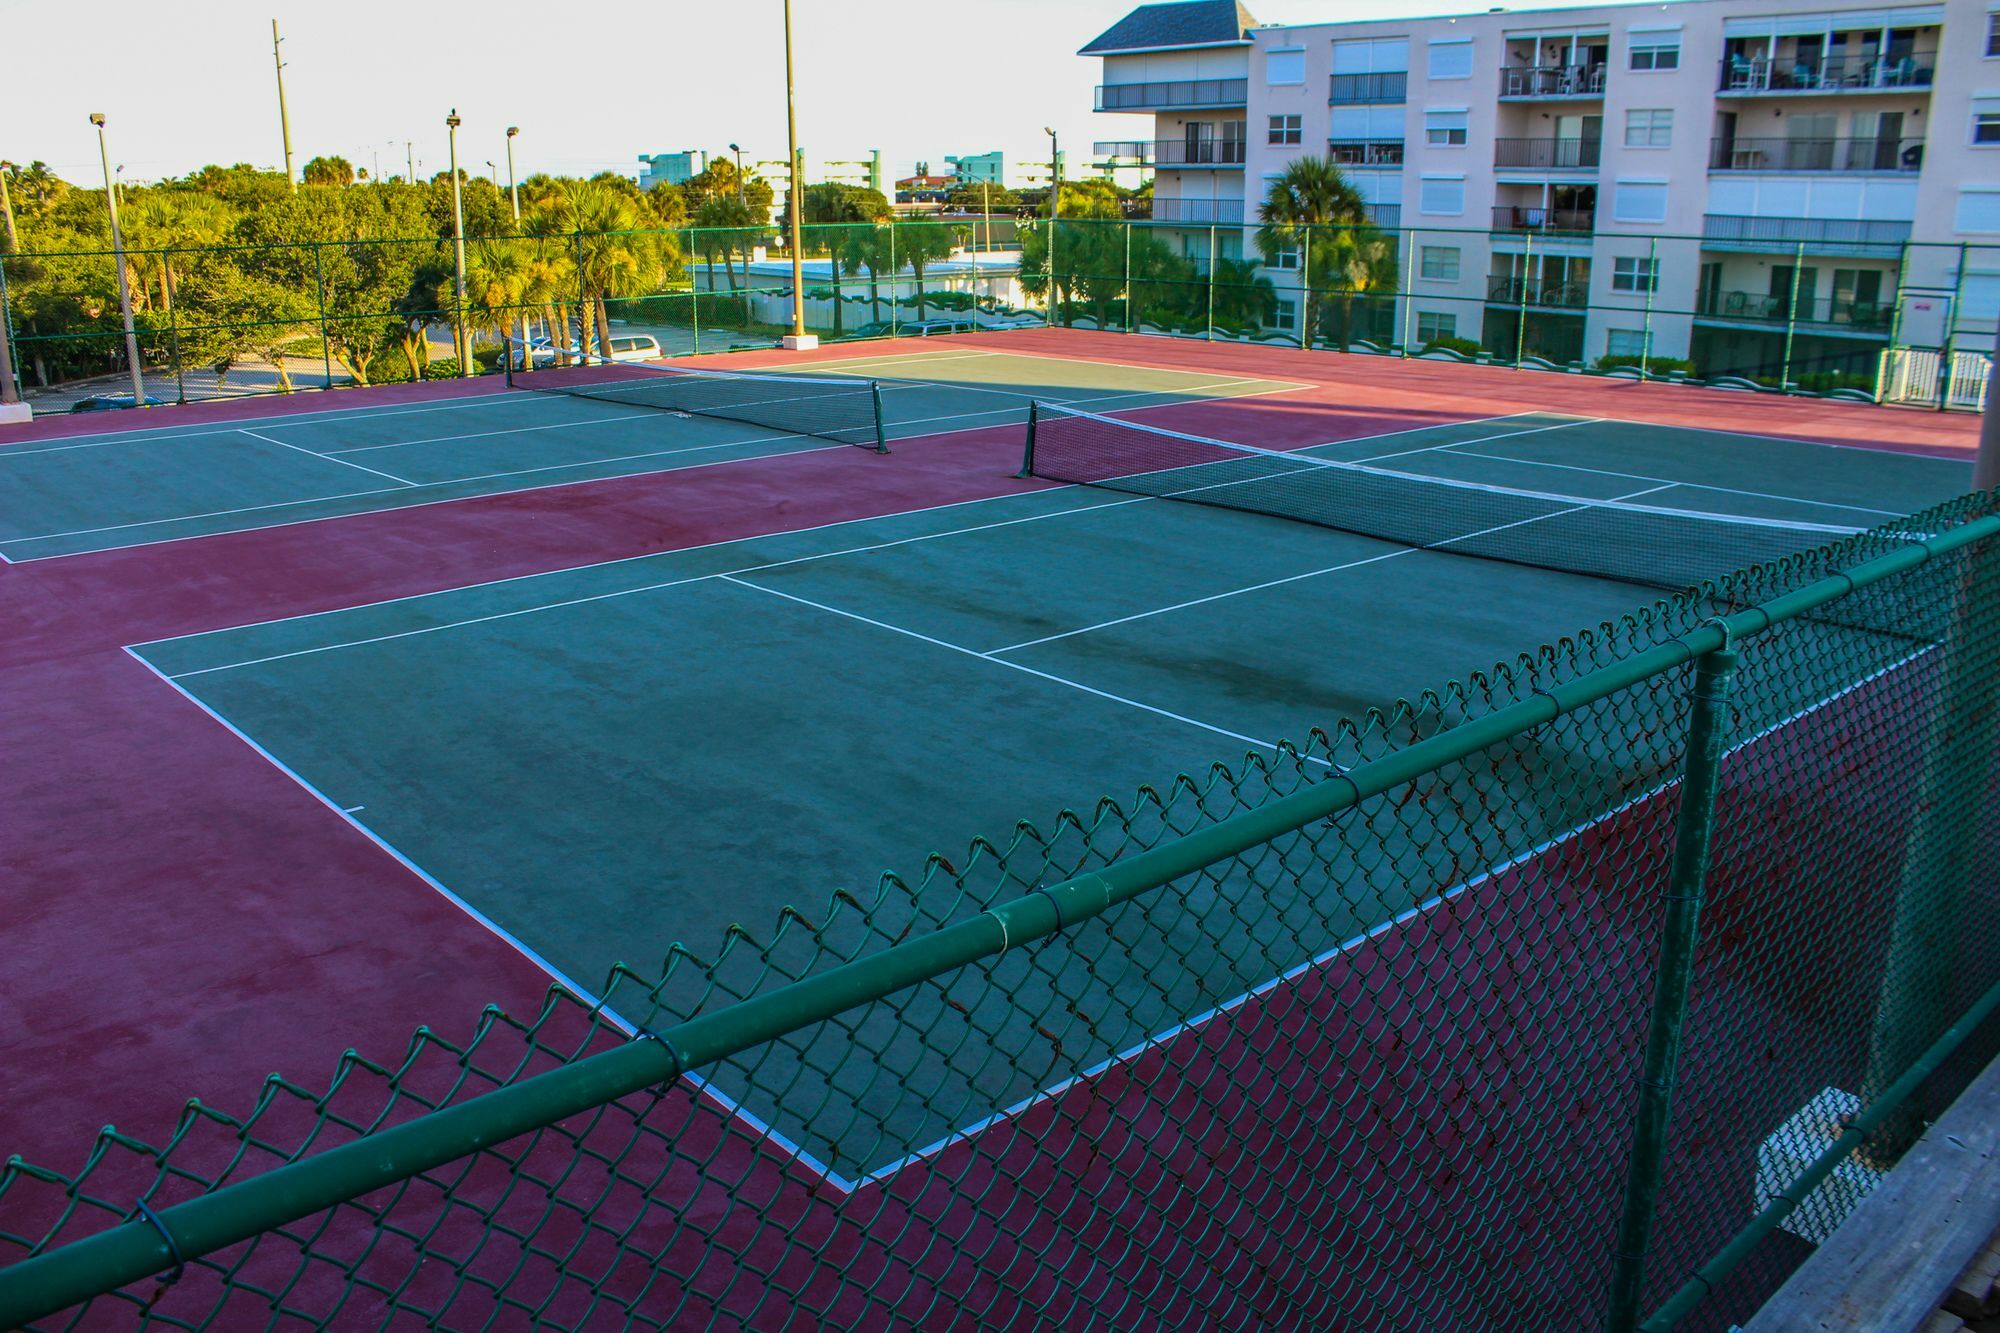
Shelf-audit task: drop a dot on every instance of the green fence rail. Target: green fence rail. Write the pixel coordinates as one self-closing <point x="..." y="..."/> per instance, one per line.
<point x="1761" y="308"/>
<point x="1497" y="1006"/>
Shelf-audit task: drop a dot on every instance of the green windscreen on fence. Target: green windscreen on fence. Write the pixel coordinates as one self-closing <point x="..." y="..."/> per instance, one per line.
<point x="1359" y="1033"/>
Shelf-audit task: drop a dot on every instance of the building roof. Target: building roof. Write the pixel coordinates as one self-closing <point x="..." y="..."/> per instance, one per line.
<point x="1186" y="23"/>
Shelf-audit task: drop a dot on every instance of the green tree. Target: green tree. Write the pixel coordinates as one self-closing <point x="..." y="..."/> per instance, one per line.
<point x="872" y="248"/>
<point x="721" y="225"/>
<point x="833" y="213"/>
<point x="328" y="171"/>
<point x="1311" y="207"/>
<point x="613" y="256"/>
<point x="921" y="244"/>
<point x="1089" y="250"/>
<point x="966" y="197"/>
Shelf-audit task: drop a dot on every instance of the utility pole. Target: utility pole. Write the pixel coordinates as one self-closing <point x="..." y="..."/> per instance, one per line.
<point x="1055" y="211"/>
<point x="738" y="150"/>
<point x="7" y="208"/>
<point x="458" y="253"/>
<point x="410" y="158"/>
<point x="514" y="189"/>
<point x="799" y="338"/>
<point x="284" y="120"/>
<point x="118" y="260"/>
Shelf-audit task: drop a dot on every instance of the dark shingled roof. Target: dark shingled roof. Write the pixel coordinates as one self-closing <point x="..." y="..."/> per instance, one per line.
<point x="1190" y="23"/>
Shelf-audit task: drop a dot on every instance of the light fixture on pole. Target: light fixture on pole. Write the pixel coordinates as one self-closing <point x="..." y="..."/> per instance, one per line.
<point x="118" y="262"/>
<point x="493" y="171"/>
<point x="464" y="344"/>
<point x="284" y="120"/>
<point x="513" y="186"/>
<point x="1055" y="211"/>
<point x="738" y="150"/>
<point x="798" y="339"/>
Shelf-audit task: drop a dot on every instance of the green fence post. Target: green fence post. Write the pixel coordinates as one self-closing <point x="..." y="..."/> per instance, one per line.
<point x="582" y="308"/>
<point x="1305" y="290"/>
<point x="1521" y="313"/>
<point x="1028" y="452"/>
<point x="694" y="294"/>
<point x="173" y="326"/>
<point x="1209" y="331"/>
<point x="1791" y="318"/>
<point x="1951" y="331"/>
<point x="1405" y="280"/>
<point x="1652" y="286"/>
<point x="1708" y="737"/>
<point x="325" y="342"/>
<point x="1130" y="326"/>
<point x="895" y="278"/>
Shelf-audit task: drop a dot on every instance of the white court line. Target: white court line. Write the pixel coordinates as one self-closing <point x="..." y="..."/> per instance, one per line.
<point x="310" y="453"/>
<point x="1315" y="573"/>
<point x="692" y="578"/>
<point x="331" y="416"/>
<point x="1693" y="485"/>
<point x="1269" y="746"/>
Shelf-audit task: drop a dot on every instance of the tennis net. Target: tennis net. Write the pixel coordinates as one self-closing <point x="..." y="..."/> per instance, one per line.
<point x="1623" y="539"/>
<point x="848" y="411"/>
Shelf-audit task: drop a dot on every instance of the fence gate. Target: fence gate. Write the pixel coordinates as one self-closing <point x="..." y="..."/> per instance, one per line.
<point x="1917" y="375"/>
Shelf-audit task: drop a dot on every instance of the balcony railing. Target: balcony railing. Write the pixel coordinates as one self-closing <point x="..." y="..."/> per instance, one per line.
<point x="1734" y="231"/>
<point x="1386" y="215"/>
<point x="1389" y="87"/>
<point x="1539" y="291"/>
<point x="1841" y="312"/>
<point x="1740" y="154"/>
<point x="1510" y="217"/>
<point x="1831" y="74"/>
<point x="1552" y="81"/>
<point x="1174" y="93"/>
<point x="1132" y="150"/>
<point x="1366" y="152"/>
<point x="1547" y="154"/>
<point x="1200" y="212"/>
<point x="1211" y="153"/>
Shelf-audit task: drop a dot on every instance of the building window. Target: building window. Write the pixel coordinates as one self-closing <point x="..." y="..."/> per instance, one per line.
<point x="1436" y="325"/>
<point x="1284" y="67"/>
<point x="1285" y="258"/>
<point x="1451" y="60"/>
<point x="1639" y="201"/>
<point x="1442" y="196"/>
<point x="1993" y="34"/>
<point x="1288" y="311"/>
<point x="1287" y="129"/>
<point x="1978" y="208"/>
<point x="1445" y="129"/>
<point x="1649" y="128"/>
<point x="1986" y="125"/>
<point x="1625" y="342"/>
<point x="1654" y="51"/>
<point x="1438" y="263"/>
<point x="1629" y="273"/>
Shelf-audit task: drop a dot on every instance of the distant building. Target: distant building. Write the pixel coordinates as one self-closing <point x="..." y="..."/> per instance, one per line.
<point x="670" y="168"/>
<point x="978" y="168"/>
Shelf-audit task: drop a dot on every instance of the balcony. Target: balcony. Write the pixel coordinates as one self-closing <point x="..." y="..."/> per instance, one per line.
<point x="1548" y="154"/>
<point x="1173" y="95"/>
<point x="1352" y="88"/>
<point x="1836" y="314"/>
<point x="1743" y="76"/>
<point x="1123" y="150"/>
<point x="1530" y="82"/>
<point x="1827" y="236"/>
<point x="1210" y="153"/>
<point x="1740" y="154"/>
<point x="1366" y="152"/>
<point x="1545" y="221"/>
<point x="1386" y="215"/>
<point x="1550" y="293"/>
<point x="1199" y="212"/>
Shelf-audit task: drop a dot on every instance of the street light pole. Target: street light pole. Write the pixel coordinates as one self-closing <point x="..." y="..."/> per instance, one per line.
<point x="738" y="150"/>
<point x="7" y="208"/>
<point x="798" y="338"/>
<point x="118" y="259"/>
<point x="284" y="120"/>
<point x="458" y="252"/>
<point x="1055" y="211"/>
<point x="410" y="158"/>
<point x="513" y="185"/>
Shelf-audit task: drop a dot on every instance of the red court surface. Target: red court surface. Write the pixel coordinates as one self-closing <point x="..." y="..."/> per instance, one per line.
<point x="184" y="919"/>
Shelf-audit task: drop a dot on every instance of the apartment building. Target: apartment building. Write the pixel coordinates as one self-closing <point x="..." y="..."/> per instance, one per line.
<point x="1703" y="178"/>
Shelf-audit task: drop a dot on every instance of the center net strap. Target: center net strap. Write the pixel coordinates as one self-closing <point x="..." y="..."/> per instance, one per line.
<point x="1653" y="545"/>
<point x="848" y="411"/>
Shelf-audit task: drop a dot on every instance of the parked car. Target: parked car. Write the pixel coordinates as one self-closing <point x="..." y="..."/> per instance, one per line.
<point x="874" y="328"/>
<point x="112" y="402"/>
<point x="635" y="347"/>
<point x="931" y="328"/>
<point x="535" y="352"/>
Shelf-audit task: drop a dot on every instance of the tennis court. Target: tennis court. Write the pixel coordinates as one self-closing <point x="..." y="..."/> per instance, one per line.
<point x="600" y="763"/>
<point x="137" y="487"/>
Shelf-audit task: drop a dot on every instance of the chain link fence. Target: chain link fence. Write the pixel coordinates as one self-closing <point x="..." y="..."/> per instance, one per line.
<point x="1802" y="308"/>
<point x="1514" y="1005"/>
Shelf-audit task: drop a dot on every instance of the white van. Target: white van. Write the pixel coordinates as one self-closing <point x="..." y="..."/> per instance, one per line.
<point x="635" y="347"/>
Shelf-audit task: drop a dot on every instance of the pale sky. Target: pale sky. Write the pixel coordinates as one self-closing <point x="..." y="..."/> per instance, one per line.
<point x="591" y="86"/>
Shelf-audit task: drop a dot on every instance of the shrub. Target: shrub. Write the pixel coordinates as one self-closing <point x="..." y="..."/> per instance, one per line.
<point x="1463" y="346"/>
<point x="1655" y="365"/>
<point x="443" y="368"/>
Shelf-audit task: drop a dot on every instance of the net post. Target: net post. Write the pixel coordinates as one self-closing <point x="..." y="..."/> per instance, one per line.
<point x="1708" y="741"/>
<point x="1028" y="451"/>
<point x="507" y="368"/>
<point x="881" y="430"/>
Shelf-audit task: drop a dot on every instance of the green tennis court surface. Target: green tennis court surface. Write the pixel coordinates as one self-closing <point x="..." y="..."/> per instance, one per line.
<point x="603" y="762"/>
<point x="131" y="488"/>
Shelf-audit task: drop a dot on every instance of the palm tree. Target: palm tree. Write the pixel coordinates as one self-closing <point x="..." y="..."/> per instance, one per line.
<point x="920" y="244"/>
<point x="1312" y="207"/>
<point x="832" y="217"/>
<point x="872" y="248"/>
<point x="159" y="221"/>
<point x="611" y="254"/>
<point x="497" y="274"/>
<point x="723" y="222"/>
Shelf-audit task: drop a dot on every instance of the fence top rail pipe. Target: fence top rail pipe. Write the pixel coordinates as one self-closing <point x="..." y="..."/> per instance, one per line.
<point x="131" y="1251"/>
